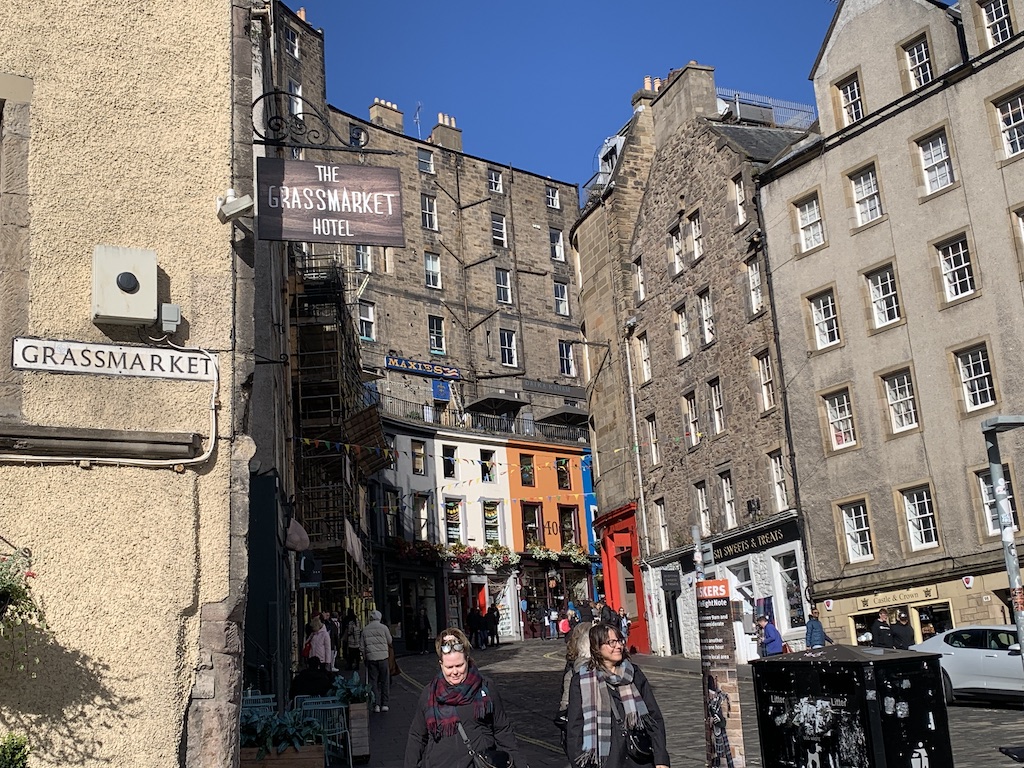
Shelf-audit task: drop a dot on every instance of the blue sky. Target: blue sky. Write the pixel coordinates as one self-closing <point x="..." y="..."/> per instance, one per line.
<point x="539" y="85"/>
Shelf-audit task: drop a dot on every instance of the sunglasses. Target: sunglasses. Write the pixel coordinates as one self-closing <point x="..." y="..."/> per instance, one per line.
<point x="451" y="644"/>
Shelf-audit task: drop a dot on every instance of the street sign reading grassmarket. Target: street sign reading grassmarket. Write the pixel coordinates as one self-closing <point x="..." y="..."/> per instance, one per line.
<point x="314" y="202"/>
<point x="111" y="359"/>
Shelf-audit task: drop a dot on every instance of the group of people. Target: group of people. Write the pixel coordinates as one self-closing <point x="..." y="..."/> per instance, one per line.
<point x="885" y="635"/>
<point x="483" y="627"/>
<point x="330" y="645"/>
<point x="560" y="623"/>
<point x="608" y="711"/>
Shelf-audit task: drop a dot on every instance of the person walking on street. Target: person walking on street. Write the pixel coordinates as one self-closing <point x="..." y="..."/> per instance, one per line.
<point x="320" y="642"/>
<point x="350" y="637"/>
<point x="902" y="632"/>
<point x="815" y="636"/>
<point x="493" y="619"/>
<point x="457" y="706"/>
<point x="624" y="623"/>
<point x="772" y="638"/>
<point x="375" y="644"/>
<point x="608" y="616"/>
<point x="586" y="612"/>
<point x="422" y="631"/>
<point x="609" y="697"/>
<point x="881" y="632"/>
<point x="577" y="654"/>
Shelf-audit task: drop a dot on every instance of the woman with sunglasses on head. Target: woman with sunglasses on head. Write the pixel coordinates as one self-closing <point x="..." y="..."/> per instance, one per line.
<point x="459" y="695"/>
<point x="612" y="710"/>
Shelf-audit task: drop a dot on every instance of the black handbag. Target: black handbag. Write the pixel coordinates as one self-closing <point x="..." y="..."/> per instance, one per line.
<point x="492" y="757"/>
<point x="639" y="746"/>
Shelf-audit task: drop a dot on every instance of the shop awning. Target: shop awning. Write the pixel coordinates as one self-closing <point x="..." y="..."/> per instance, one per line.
<point x="567" y="415"/>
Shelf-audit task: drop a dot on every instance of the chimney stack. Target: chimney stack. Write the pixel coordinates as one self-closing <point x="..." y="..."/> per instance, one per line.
<point x="301" y="13"/>
<point x="387" y="115"/>
<point x="445" y="134"/>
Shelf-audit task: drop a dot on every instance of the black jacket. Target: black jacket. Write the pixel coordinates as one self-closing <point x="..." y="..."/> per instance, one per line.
<point x="617" y="757"/>
<point x="881" y="634"/>
<point x="422" y="751"/>
<point x="902" y="636"/>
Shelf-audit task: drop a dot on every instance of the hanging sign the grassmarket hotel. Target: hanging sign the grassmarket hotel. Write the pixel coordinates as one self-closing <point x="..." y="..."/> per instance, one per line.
<point x="313" y="202"/>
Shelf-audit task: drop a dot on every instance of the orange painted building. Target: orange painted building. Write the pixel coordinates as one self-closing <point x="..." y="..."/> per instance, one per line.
<point x="548" y="509"/>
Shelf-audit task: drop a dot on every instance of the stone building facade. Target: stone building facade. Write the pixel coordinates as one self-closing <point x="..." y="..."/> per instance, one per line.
<point x="895" y="245"/>
<point x="130" y="490"/>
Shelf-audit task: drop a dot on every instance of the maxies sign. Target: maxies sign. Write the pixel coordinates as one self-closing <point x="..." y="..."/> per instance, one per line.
<point x="328" y="203"/>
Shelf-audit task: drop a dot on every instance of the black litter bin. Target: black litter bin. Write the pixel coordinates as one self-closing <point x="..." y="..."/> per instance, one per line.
<point x="849" y="707"/>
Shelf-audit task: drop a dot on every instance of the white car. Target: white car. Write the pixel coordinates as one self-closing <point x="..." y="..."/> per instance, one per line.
<point x="978" y="662"/>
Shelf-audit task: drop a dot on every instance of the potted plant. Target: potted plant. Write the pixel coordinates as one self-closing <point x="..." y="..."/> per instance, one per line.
<point x="357" y="695"/>
<point x="286" y="739"/>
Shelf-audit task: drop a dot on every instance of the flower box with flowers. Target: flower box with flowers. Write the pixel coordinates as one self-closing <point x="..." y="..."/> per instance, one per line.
<point x="575" y="554"/>
<point x="540" y="552"/>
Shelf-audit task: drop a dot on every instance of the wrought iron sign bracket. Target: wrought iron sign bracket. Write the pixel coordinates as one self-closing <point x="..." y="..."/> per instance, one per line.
<point x="305" y="129"/>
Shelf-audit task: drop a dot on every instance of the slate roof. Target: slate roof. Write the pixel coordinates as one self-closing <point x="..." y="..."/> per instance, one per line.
<point x="761" y="144"/>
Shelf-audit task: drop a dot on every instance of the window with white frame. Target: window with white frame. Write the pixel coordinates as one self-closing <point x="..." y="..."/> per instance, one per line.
<point x="453" y="521"/>
<point x="432" y="269"/>
<point x="641" y="283"/>
<point x="957" y="270"/>
<point x="566" y="363"/>
<point x="419" y="457"/>
<point x="494" y="181"/>
<point x="899" y="393"/>
<point x="421" y="511"/>
<point x="652" y="439"/>
<point x="728" y="499"/>
<point x="857" y="529"/>
<point x="503" y="285"/>
<point x="675" y="249"/>
<point x="692" y="416"/>
<point x="294" y="98"/>
<point x="364" y="258"/>
<point x="435" y="330"/>
<point x="936" y="162"/>
<point x="428" y="212"/>
<point x="367" y="311"/>
<point x="533" y="523"/>
<point x="425" y="160"/>
<point x="561" y="299"/>
<point x="885" y="302"/>
<point x="659" y="510"/>
<point x="707" y="316"/>
<point x="551" y="196"/>
<point x="1011" y="123"/>
<point x="488" y="472"/>
<point x="700" y="498"/>
<point x="839" y="412"/>
<point x="825" y="319"/>
<point x="696" y="235"/>
<point x="919" y="62"/>
<point x="643" y="353"/>
<point x="920" y="511"/>
<point x="755" y="289"/>
<point x="557" y="246"/>
<point x="988" y="500"/>
<point x="766" y="377"/>
<point x="448" y="460"/>
<point x="998" y="27"/>
<point x="976" y="378"/>
<point x="683" y="348"/>
<point x="866" y="197"/>
<point x="812" y="229"/>
<point x="291" y="41"/>
<point x="850" y="100"/>
<point x="498" y="234"/>
<point x="777" y="472"/>
<point x="717" y="404"/>
<point x="492" y="521"/>
<point x="740" y="196"/>
<point x="507" y="343"/>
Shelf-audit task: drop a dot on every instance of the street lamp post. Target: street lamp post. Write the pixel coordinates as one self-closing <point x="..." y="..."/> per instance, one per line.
<point x="991" y="428"/>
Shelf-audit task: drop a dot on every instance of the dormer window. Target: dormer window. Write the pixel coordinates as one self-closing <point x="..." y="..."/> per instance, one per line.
<point x="850" y="100"/>
<point x="998" y="26"/>
<point x="919" y="63"/>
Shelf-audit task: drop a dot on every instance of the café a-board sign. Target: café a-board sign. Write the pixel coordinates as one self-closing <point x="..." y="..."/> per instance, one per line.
<point x="324" y="202"/>
<point x="112" y="359"/>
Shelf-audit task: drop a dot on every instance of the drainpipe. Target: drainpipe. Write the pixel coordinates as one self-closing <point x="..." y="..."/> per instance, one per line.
<point x="653" y="626"/>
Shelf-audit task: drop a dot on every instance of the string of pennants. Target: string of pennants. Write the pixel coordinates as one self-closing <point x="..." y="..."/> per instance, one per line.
<point x="406" y="500"/>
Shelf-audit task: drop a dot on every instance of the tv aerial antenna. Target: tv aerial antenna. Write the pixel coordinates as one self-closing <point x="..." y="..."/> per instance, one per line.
<point x="416" y="118"/>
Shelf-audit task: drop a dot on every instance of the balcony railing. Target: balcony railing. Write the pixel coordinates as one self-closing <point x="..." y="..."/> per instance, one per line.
<point x="483" y="423"/>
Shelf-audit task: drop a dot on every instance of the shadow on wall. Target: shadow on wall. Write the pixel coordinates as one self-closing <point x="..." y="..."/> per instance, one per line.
<point x="63" y="703"/>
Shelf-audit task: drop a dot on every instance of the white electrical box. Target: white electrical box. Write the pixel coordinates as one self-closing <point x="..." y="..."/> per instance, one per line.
<point x="123" y="286"/>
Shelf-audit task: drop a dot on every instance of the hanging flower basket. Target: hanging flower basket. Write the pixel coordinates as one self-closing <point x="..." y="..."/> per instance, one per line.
<point x="21" y="618"/>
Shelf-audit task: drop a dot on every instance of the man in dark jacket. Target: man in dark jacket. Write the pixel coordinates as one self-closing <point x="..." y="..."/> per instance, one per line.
<point x="586" y="612"/>
<point x="608" y="615"/>
<point x="881" y="632"/>
<point x="902" y="632"/>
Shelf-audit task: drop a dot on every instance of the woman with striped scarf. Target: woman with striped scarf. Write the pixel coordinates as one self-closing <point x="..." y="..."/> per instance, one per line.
<point x="608" y="697"/>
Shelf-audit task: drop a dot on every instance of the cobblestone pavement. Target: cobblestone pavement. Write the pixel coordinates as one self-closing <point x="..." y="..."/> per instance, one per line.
<point x="528" y="675"/>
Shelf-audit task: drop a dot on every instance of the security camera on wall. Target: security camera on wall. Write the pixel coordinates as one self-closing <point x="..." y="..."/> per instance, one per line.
<point x="230" y="207"/>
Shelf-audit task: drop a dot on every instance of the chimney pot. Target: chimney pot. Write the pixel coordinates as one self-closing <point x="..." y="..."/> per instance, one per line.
<point x="440" y="118"/>
<point x="647" y="82"/>
<point x="657" y="84"/>
<point x="453" y="122"/>
<point x="301" y="14"/>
